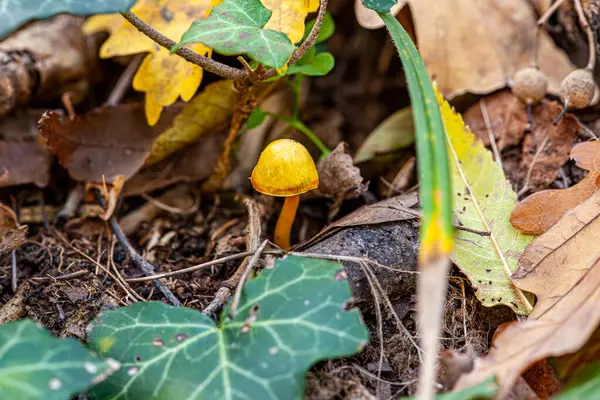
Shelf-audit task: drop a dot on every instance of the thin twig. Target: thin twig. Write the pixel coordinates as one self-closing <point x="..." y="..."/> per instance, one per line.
<point x="585" y="25"/>
<point x="490" y="131"/>
<point x="64" y="277"/>
<point x="143" y="264"/>
<point x="222" y="260"/>
<point x="252" y="244"/>
<point x="532" y="165"/>
<point x="470" y="230"/>
<point x="238" y="290"/>
<point x="124" y="80"/>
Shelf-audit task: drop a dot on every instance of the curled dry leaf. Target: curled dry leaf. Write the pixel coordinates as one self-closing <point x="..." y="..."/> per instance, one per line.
<point x="561" y="267"/>
<point x="44" y="60"/>
<point x="338" y="177"/>
<point x="23" y="159"/>
<point x="105" y="143"/>
<point x="540" y="211"/>
<point x="482" y="50"/>
<point x="193" y="163"/>
<point x="12" y="235"/>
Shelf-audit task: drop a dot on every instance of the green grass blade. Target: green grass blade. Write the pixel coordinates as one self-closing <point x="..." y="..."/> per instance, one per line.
<point x="434" y="173"/>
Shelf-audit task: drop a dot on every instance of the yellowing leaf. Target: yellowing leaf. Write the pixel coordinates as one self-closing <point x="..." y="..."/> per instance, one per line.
<point x="483" y="200"/>
<point x="205" y="114"/>
<point x="162" y="76"/>
<point x="289" y="15"/>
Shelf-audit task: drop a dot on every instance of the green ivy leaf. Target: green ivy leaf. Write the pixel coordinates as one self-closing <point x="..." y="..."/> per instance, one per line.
<point x="313" y="64"/>
<point x="382" y="6"/>
<point x="235" y="27"/>
<point x="289" y="318"/>
<point x="13" y="13"/>
<point x="256" y="118"/>
<point x="35" y="365"/>
<point x="485" y="390"/>
<point x="327" y="28"/>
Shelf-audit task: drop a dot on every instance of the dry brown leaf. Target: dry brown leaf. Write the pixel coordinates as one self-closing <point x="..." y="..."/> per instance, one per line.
<point x="23" y="159"/>
<point x="561" y="267"/>
<point x="394" y="209"/>
<point x="538" y="212"/>
<point x="106" y="142"/>
<point x="483" y="49"/>
<point x="556" y="149"/>
<point x="44" y="60"/>
<point x="193" y="163"/>
<point x="507" y="117"/>
<point x="12" y="235"/>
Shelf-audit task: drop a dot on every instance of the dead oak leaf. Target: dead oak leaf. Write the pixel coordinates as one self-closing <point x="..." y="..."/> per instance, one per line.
<point x="538" y="212"/>
<point x="162" y="76"/>
<point x="103" y="144"/>
<point x="23" y="159"/>
<point x="557" y="141"/>
<point x="561" y="267"/>
<point x="482" y="50"/>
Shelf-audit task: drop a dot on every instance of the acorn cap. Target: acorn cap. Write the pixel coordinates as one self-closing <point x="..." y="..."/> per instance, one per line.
<point x="285" y="168"/>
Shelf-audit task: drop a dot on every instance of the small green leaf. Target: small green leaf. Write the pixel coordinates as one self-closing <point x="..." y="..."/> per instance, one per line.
<point x="485" y="390"/>
<point x="317" y="65"/>
<point x="14" y="13"/>
<point x="289" y="318"/>
<point x="395" y="132"/>
<point x="256" y="118"/>
<point x="35" y="365"/>
<point x="327" y="28"/>
<point x="235" y="27"/>
<point x="382" y="6"/>
<point x="584" y="385"/>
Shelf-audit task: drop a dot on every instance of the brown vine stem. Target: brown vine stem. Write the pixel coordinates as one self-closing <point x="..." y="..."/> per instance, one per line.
<point x="208" y="64"/>
<point x="216" y="67"/>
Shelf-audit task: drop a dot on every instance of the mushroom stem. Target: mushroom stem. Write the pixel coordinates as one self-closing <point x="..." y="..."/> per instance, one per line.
<point x="285" y="222"/>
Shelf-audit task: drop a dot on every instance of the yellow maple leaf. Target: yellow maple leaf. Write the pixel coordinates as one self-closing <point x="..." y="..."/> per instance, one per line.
<point x="162" y="76"/>
<point x="288" y="16"/>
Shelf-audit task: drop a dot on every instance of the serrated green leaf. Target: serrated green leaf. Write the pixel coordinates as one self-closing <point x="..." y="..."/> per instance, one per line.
<point x="35" y="365"/>
<point x="484" y="200"/>
<point x="585" y="384"/>
<point x="382" y="6"/>
<point x="326" y="31"/>
<point x="317" y="65"/>
<point x="394" y="133"/>
<point x="256" y="118"/>
<point x="289" y="318"/>
<point x="13" y="13"/>
<point x="235" y="27"/>
<point x="484" y="390"/>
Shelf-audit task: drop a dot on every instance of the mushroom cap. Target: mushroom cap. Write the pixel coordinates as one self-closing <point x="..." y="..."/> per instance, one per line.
<point x="285" y="168"/>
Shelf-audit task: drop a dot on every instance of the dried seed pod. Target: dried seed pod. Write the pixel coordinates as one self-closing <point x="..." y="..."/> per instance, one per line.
<point x="530" y="85"/>
<point x="578" y="88"/>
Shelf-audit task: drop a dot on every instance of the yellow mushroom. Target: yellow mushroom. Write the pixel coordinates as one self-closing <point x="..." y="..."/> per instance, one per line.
<point x="285" y="169"/>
